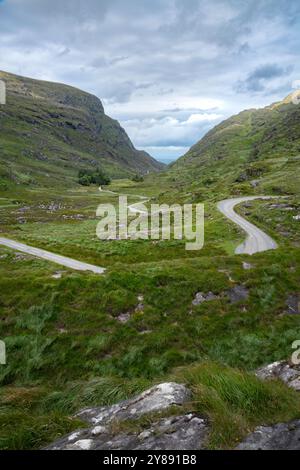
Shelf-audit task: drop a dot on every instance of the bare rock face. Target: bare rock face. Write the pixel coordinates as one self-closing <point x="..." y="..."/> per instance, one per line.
<point x="293" y="304"/>
<point x="237" y="294"/>
<point x="123" y="317"/>
<point x="185" y="431"/>
<point x="283" y="370"/>
<point x="282" y="436"/>
<point x="200" y="297"/>
<point x="157" y="398"/>
<point x="247" y="266"/>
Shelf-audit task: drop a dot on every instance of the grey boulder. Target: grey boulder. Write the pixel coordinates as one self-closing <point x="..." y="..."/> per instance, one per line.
<point x="176" y="432"/>
<point x="157" y="398"/>
<point x="283" y="370"/>
<point x="278" y="437"/>
<point x="185" y="432"/>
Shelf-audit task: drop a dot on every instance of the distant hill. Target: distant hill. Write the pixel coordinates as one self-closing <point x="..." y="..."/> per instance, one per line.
<point x="48" y="131"/>
<point x="256" y="151"/>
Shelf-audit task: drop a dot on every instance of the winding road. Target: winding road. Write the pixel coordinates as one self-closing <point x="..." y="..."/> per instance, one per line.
<point x="256" y="240"/>
<point x="58" y="259"/>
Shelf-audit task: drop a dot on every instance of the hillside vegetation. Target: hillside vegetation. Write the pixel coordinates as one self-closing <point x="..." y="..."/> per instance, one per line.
<point x="75" y="339"/>
<point x="50" y="131"/>
<point x="257" y="151"/>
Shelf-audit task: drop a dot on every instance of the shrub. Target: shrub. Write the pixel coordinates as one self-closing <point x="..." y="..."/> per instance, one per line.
<point x="88" y="177"/>
<point x="138" y="178"/>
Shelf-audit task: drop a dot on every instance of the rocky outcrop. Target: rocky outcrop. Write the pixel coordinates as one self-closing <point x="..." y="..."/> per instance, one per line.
<point x="200" y="297"/>
<point x="237" y="294"/>
<point x="169" y="426"/>
<point x="186" y="432"/>
<point x="247" y="266"/>
<point x="283" y="370"/>
<point x="183" y="431"/>
<point x="125" y="317"/>
<point x="278" y="437"/>
<point x="157" y="398"/>
<point x="293" y="304"/>
<point x="282" y="436"/>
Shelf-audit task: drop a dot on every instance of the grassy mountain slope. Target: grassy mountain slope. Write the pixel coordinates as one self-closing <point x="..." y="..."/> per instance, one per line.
<point x="48" y="131"/>
<point x="256" y="151"/>
<point x="67" y="344"/>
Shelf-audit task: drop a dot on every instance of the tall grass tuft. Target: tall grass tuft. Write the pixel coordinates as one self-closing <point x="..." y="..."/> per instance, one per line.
<point x="236" y="402"/>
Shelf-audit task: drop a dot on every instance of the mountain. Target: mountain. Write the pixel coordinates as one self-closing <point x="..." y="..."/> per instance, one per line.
<point x="257" y="150"/>
<point x="48" y="131"/>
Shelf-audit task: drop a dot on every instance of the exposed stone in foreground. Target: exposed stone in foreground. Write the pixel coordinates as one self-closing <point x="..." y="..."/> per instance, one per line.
<point x="283" y="370"/>
<point x="182" y="432"/>
<point x="283" y="436"/>
<point x="116" y="427"/>
<point x="157" y="398"/>
<point x="186" y="432"/>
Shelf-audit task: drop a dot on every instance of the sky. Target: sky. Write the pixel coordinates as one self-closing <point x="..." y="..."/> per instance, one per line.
<point x="168" y="70"/>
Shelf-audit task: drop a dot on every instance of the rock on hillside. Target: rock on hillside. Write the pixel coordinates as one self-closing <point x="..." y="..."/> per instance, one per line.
<point x="181" y="431"/>
<point x="283" y="436"/>
<point x="166" y="426"/>
<point x="283" y="370"/>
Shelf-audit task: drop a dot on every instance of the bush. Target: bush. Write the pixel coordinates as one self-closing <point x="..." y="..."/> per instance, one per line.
<point x="88" y="177"/>
<point x="84" y="180"/>
<point x="138" y="178"/>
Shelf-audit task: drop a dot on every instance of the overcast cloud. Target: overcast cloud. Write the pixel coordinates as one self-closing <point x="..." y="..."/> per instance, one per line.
<point x="168" y="70"/>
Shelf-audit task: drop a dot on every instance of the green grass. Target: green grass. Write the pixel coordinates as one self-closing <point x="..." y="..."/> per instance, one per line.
<point x="259" y="145"/>
<point x="49" y="131"/>
<point x="66" y="348"/>
<point x="63" y="337"/>
<point x="236" y="402"/>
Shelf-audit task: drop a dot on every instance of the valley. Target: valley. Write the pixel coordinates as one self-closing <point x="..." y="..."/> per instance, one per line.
<point x="78" y="339"/>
